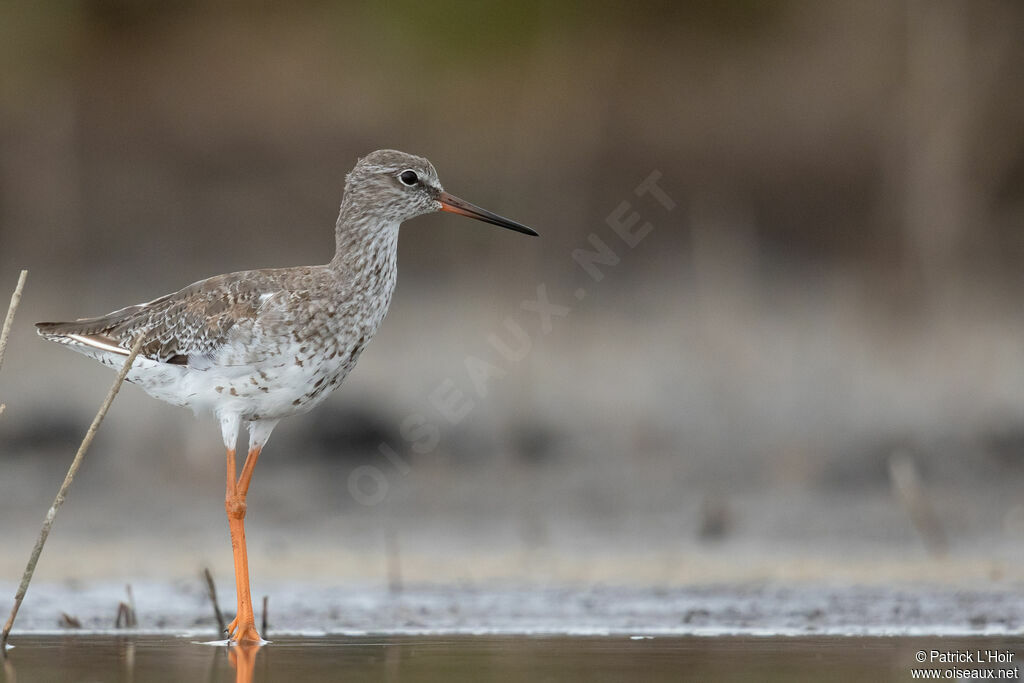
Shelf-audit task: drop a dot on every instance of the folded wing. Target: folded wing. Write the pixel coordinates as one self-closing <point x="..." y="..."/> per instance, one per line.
<point x="193" y="322"/>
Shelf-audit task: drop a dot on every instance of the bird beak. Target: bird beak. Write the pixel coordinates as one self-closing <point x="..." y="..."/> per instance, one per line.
<point x="453" y="204"/>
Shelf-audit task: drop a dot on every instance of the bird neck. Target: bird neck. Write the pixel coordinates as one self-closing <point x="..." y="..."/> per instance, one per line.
<point x="366" y="245"/>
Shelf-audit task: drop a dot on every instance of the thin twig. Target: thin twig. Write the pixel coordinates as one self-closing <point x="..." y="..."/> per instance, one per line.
<point x="9" y="320"/>
<point x="211" y="590"/>
<point x="68" y="621"/>
<point x="133" y="619"/>
<point x="265" y="600"/>
<point x="122" y="615"/>
<point x="126" y="611"/>
<point x="51" y="514"/>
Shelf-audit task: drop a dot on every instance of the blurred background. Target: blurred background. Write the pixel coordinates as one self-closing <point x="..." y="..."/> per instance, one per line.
<point x="810" y="368"/>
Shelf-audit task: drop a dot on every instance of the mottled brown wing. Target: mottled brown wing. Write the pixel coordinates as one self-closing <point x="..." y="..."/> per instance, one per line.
<point x="194" y="321"/>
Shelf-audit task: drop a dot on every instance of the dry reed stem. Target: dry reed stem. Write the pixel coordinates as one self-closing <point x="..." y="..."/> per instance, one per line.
<point x="9" y="320"/>
<point x="126" y="611"/>
<point x="51" y="514"/>
<point x="134" y="619"/>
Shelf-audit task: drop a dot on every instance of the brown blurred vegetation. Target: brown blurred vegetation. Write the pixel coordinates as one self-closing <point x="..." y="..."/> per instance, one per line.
<point x="874" y="135"/>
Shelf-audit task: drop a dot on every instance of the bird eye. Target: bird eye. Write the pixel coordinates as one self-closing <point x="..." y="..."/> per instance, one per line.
<point x="409" y="178"/>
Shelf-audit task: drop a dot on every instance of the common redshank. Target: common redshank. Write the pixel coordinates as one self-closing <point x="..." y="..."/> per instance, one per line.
<point x="260" y="345"/>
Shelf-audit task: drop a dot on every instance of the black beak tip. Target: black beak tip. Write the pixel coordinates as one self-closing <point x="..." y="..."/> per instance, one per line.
<point x="517" y="227"/>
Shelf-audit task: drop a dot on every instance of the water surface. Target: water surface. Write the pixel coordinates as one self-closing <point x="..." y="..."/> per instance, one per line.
<point x="137" y="659"/>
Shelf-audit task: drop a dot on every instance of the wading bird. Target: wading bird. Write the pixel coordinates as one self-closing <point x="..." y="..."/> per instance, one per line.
<point x="257" y="346"/>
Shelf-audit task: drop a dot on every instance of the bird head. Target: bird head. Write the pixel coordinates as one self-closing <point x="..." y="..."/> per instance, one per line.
<point x="401" y="186"/>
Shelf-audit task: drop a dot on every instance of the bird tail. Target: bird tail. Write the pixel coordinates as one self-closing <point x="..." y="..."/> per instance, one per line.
<point x="85" y="332"/>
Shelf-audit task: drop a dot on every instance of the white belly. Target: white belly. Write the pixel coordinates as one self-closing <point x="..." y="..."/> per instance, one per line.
<point x="293" y="383"/>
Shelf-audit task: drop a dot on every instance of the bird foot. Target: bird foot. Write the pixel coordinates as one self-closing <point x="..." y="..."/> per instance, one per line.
<point x="246" y="631"/>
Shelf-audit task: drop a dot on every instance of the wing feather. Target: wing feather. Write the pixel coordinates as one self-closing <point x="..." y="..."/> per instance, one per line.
<point x="195" y="321"/>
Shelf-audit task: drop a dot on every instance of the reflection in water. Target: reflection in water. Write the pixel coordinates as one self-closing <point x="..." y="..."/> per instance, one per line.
<point x="129" y="660"/>
<point x="10" y="676"/>
<point x="243" y="658"/>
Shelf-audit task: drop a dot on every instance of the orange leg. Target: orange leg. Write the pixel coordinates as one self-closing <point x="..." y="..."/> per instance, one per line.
<point x="243" y="627"/>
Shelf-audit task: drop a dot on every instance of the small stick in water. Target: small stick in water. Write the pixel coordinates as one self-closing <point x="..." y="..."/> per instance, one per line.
<point x="211" y="590"/>
<point x="265" y="599"/>
<point x="51" y="514"/>
<point x="122" y="615"/>
<point x="68" y="621"/>
<point x="133" y="619"/>
<point x="126" y="611"/>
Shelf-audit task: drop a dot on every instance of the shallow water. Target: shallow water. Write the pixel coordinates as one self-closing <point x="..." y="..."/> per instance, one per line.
<point x="137" y="659"/>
